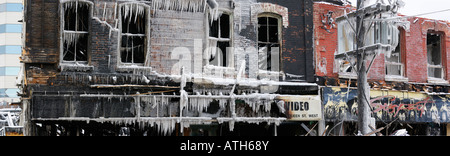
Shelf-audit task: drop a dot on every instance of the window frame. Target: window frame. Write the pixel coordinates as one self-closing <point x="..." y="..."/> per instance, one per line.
<point x="63" y="31"/>
<point x="147" y="35"/>
<point x="280" y="38"/>
<point x="441" y="53"/>
<point x="230" y="52"/>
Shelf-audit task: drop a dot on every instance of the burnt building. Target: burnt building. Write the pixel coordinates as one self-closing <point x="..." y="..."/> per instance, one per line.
<point x="167" y="67"/>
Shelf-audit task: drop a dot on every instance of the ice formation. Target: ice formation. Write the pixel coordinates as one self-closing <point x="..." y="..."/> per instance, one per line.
<point x="199" y="103"/>
<point x="71" y="37"/>
<point x="184" y="5"/>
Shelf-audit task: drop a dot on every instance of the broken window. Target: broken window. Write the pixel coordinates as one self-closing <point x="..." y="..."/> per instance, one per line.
<point x="394" y="63"/>
<point x="133" y="45"/>
<point x="434" y="56"/>
<point x="220" y="37"/>
<point x="76" y="31"/>
<point x="268" y="42"/>
<point x="380" y="37"/>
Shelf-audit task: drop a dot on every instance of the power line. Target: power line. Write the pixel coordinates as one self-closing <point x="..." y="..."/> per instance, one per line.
<point x="400" y="17"/>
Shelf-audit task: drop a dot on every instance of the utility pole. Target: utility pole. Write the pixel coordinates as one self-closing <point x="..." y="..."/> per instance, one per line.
<point x="364" y="115"/>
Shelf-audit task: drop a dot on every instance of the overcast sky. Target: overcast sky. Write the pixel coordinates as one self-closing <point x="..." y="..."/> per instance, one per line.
<point x="415" y="7"/>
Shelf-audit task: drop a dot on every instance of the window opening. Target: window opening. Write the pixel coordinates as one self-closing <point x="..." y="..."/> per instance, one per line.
<point x="219" y="37"/>
<point x="268" y="43"/>
<point x="394" y="64"/>
<point x="133" y="34"/>
<point x="76" y="31"/>
<point x="434" y="53"/>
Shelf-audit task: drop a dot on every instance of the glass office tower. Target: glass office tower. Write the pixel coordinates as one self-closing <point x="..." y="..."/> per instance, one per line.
<point x="10" y="49"/>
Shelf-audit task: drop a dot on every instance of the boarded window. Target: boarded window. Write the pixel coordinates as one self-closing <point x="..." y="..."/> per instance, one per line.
<point x="133" y="45"/>
<point x="434" y="56"/>
<point x="269" y="43"/>
<point x="76" y="31"/>
<point x="219" y="37"/>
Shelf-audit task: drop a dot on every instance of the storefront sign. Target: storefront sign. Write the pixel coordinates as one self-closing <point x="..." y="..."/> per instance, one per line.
<point x="302" y="108"/>
<point x="341" y="104"/>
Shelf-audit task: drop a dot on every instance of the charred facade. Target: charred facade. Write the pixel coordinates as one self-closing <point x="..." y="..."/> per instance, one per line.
<point x="159" y="67"/>
<point x="408" y="74"/>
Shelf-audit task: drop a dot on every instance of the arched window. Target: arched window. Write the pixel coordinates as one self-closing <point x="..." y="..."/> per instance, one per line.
<point x="269" y="42"/>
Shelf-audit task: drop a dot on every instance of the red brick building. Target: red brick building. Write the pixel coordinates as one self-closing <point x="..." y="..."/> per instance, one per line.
<point x="409" y="84"/>
<point x="412" y="47"/>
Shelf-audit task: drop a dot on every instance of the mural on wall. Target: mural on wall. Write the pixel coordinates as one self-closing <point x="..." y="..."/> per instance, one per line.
<point x="341" y="104"/>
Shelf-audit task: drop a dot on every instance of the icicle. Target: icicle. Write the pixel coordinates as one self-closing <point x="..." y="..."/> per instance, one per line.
<point x="71" y="37"/>
<point x="281" y="107"/>
<point x="214" y="10"/>
<point x="183" y="100"/>
<point x="231" y="126"/>
<point x="233" y="105"/>
<point x="154" y="101"/>
<point x="177" y="5"/>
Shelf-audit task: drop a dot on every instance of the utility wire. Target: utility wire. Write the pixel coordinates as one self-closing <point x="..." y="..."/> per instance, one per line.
<point x="400" y="17"/>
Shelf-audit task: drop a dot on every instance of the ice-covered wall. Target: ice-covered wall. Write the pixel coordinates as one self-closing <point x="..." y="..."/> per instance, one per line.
<point x="175" y="84"/>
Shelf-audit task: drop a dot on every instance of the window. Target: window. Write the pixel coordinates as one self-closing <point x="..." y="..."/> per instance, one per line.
<point x="434" y="56"/>
<point x="11" y="28"/>
<point x="9" y="71"/>
<point x="10" y="49"/>
<point x="220" y="37"/>
<point x="394" y="63"/>
<point x="11" y="7"/>
<point x="268" y="42"/>
<point x="133" y="44"/>
<point x="76" y="31"/>
<point x="9" y="92"/>
<point x="380" y="37"/>
<point x="346" y="37"/>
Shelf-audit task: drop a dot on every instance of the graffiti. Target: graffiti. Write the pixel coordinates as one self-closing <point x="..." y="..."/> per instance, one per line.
<point x="378" y="106"/>
<point x="341" y="104"/>
<point x="328" y="21"/>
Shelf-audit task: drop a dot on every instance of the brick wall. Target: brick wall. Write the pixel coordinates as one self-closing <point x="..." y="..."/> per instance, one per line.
<point x="325" y="42"/>
<point x="42" y="25"/>
<point x="378" y="70"/>
<point x="172" y="29"/>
